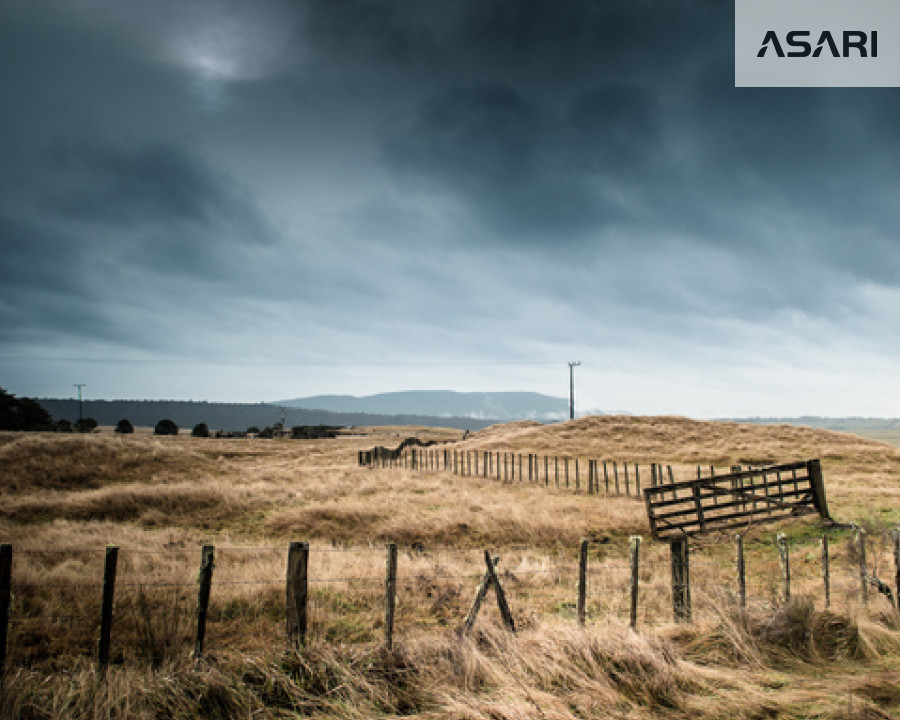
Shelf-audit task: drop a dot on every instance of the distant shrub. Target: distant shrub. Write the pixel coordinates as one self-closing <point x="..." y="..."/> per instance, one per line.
<point x="201" y="429"/>
<point x="165" y="427"/>
<point x="22" y="414"/>
<point x="86" y="425"/>
<point x="63" y="426"/>
<point x="253" y="430"/>
<point x="124" y="427"/>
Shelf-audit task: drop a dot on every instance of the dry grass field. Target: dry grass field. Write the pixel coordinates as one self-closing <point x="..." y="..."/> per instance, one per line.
<point x="64" y="498"/>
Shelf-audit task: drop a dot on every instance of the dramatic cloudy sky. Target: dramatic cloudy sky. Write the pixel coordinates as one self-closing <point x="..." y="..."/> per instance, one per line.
<point x="246" y="201"/>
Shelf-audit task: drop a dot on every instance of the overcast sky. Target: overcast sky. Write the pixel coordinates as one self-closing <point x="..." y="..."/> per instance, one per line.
<point x="250" y="201"/>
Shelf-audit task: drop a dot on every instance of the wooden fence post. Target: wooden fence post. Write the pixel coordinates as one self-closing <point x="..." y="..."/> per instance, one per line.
<point x="567" y="471"/>
<point x="652" y="474"/>
<point x="616" y="475"/>
<point x="546" y="471"/>
<point x="635" y="543"/>
<point x="896" y="537"/>
<point x="5" y="595"/>
<point x="582" y="581"/>
<point x="207" y="563"/>
<point x="505" y="613"/>
<point x="741" y="571"/>
<point x="681" y="579"/>
<point x="606" y="477"/>
<point x="297" y="589"/>
<point x="627" y="482"/>
<point x="785" y="560"/>
<point x="577" y="476"/>
<point x="863" y="569"/>
<point x="637" y="479"/>
<point x="390" y="595"/>
<point x="480" y="594"/>
<point x="106" y="606"/>
<point x="826" y="571"/>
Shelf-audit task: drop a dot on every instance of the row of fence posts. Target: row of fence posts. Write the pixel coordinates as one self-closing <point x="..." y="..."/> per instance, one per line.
<point x="503" y="466"/>
<point x="297" y="588"/>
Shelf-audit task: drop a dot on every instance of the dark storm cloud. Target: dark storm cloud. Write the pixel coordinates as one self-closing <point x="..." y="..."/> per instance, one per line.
<point x="426" y="178"/>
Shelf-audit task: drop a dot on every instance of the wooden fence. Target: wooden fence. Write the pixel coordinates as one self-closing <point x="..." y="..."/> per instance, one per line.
<point x="593" y="476"/>
<point x="736" y="499"/>
<point x="676" y="571"/>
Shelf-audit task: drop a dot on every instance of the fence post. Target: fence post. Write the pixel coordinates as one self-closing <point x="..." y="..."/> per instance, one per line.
<point x="681" y="579"/>
<point x="627" y="482"/>
<point x="863" y="569"/>
<point x="5" y="594"/>
<point x="567" y="471"/>
<point x="616" y="475"/>
<point x="582" y="580"/>
<point x="635" y="542"/>
<point x="297" y="592"/>
<point x="606" y="477"/>
<point x="556" y="468"/>
<point x="826" y="571"/>
<point x="390" y="595"/>
<point x="577" y="476"/>
<point x="637" y="479"/>
<point x="652" y="474"/>
<point x="205" y="578"/>
<point x="784" y="557"/>
<point x="106" y="607"/>
<point x="741" y="571"/>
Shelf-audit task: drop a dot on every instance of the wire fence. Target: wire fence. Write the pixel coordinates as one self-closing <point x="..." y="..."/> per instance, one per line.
<point x="52" y="599"/>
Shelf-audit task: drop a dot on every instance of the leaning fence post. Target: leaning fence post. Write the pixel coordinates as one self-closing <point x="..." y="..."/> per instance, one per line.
<point x="582" y="581"/>
<point x="390" y="595"/>
<point x="635" y="541"/>
<point x="826" y="571"/>
<point x="784" y="557"/>
<point x="106" y="607"/>
<point x="741" y="571"/>
<point x="297" y="592"/>
<point x="681" y="579"/>
<point x="5" y="594"/>
<point x="863" y="571"/>
<point x="205" y="578"/>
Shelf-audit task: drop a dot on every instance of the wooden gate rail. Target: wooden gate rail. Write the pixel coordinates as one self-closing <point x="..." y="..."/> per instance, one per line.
<point x="734" y="500"/>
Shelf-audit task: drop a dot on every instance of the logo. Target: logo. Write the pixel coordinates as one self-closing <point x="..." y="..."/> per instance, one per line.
<point x="853" y="43"/>
<point x="817" y="43"/>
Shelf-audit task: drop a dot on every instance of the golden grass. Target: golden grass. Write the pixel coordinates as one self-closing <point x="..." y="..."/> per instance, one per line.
<point x="64" y="498"/>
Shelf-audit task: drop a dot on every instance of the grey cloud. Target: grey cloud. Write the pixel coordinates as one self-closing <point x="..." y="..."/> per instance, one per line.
<point x="151" y="184"/>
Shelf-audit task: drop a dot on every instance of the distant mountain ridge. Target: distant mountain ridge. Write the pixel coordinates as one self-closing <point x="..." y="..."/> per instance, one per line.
<point x="498" y="406"/>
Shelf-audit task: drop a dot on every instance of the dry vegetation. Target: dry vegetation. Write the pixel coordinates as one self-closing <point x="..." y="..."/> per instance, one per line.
<point x="62" y="499"/>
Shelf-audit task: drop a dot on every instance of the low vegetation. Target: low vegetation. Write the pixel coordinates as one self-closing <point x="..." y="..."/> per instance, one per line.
<point x="64" y="497"/>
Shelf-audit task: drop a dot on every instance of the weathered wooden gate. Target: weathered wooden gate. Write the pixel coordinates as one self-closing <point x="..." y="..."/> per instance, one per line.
<point x="720" y="502"/>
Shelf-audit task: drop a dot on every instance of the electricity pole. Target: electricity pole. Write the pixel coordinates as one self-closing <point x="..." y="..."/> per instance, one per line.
<point x="572" y="366"/>
<point x="80" y="402"/>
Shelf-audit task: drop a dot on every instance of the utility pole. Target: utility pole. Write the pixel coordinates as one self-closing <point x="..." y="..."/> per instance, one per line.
<point x="80" y="402"/>
<point x="572" y="366"/>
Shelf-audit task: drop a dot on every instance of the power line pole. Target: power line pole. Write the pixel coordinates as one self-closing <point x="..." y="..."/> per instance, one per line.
<point x="572" y="366"/>
<point x="80" y="402"/>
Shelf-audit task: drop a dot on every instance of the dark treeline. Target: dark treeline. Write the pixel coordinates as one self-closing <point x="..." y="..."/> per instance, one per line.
<point x="234" y="416"/>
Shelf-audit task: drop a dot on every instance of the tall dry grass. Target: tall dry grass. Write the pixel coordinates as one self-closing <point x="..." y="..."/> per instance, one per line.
<point x="161" y="498"/>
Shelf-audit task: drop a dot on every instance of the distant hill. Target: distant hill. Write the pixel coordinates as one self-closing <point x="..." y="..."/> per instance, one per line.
<point x="883" y="429"/>
<point x="497" y="406"/>
<point x="237" y="416"/>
